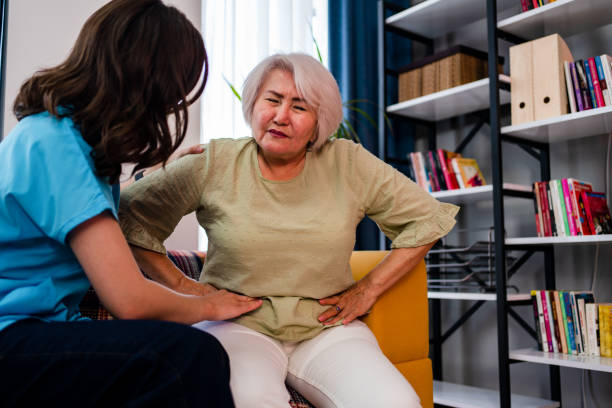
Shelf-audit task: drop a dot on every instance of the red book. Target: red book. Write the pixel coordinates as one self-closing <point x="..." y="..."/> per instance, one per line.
<point x="524" y="5"/>
<point x="447" y="171"/>
<point x="595" y="79"/>
<point x="587" y="227"/>
<point x="536" y="209"/>
<point x="597" y="212"/>
<point x="547" y="321"/>
<point x="544" y="209"/>
<point x="576" y="188"/>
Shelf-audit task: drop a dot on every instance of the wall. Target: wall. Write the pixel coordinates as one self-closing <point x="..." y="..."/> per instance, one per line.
<point x="470" y="354"/>
<point x="41" y="33"/>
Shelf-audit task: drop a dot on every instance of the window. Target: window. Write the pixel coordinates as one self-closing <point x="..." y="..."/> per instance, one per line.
<point x="240" y="33"/>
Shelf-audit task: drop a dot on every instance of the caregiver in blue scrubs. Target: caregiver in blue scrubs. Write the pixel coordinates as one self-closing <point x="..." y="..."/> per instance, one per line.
<point x="132" y="68"/>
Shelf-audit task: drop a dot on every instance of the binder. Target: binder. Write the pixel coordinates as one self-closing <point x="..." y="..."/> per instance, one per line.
<point x="549" y="87"/>
<point x="521" y="83"/>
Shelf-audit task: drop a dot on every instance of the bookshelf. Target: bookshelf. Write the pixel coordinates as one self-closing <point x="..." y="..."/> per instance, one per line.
<point x="489" y="297"/>
<point x="452" y="102"/>
<point x="424" y="23"/>
<point x="433" y="18"/>
<point x="566" y="17"/>
<point x="571" y="126"/>
<point x="464" y="396"/>
<point x="477" y="194"/>
<point x="583" y="362"/>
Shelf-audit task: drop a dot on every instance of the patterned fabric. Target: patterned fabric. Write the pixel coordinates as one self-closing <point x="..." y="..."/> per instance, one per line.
<point x="190" y="263"/>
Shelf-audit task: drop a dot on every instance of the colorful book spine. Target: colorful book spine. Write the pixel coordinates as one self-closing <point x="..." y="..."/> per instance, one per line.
<point x="591" y="89"/>
<point x="577" y="93"/>
<point x="596" y="86"/>
<point x="570" y="321"/>
<point x="583" y="84"/>
<point x="536" y="319"/>
<point x="562" y="209"/>
<point x="545" y="344"/>
<point x="576" y="320"/>
<point x="558" y="315"/>
<point x="592" y="320"/>
<point x="565" y="328"/>
<point x="536" y="209"/>
<point x="524" y="5"/>
<point x="603" y="81"/>
<point x="547" y="322"/>
<point x="568" y="207"/>
<point x="583" y="330"/>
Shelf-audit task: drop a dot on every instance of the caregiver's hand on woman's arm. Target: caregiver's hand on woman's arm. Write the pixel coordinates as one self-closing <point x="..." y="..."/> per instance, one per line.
<point x="361" y="296"/>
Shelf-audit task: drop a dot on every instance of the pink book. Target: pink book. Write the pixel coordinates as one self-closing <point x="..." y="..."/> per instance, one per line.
<point x="568" y="208"/>
<point x="575" y="188"/>
<point x="595" y="79"/>
<point x="546" y="320"/>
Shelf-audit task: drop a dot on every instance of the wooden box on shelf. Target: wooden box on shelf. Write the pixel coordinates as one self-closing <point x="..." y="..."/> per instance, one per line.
<point x="443" y="70"/>
<point x="538" y="80"/>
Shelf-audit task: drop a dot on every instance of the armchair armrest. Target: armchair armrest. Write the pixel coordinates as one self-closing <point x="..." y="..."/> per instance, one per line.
<point x="400" y="318"/>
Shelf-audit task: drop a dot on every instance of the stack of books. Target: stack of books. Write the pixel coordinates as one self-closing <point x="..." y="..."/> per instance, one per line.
<point x="440" y="170"/>
<point x="572" y="323"/>
<point x="531" y="4"/>
<point x="588" y="83"/>
<point x="569" y="207"/>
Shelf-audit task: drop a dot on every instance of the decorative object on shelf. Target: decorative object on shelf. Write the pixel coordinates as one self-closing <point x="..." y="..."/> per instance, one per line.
<point x="538" y="80"/>
<point x="443" y="70"/>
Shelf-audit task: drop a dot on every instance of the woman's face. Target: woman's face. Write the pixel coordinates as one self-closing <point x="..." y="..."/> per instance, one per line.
<point x="282" y="123"/>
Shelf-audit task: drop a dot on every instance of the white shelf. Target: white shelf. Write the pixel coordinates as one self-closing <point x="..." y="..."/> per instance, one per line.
<point x="433" y="18"/>
<point x="474" y="194"/>
<point x="565" y="17"/>
<point x="582" y="239"/>
<point x="564" y="360"/>
<point x="470" y="97"/>
<point x="571" y="126"/>
<point x="512" y="297"/>
<point x="463" y="396"/>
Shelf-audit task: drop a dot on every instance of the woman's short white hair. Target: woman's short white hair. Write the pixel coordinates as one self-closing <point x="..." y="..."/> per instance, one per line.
<point x="314" y="83"/>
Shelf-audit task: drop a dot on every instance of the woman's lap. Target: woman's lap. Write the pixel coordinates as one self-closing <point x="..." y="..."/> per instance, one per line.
<point x="341" y="367"/>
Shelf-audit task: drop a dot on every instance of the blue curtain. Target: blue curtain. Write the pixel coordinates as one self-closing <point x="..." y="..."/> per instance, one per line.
<point x="353" y="60"/>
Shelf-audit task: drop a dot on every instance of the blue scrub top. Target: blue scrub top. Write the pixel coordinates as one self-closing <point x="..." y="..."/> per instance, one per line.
<point x="48" y="186"/>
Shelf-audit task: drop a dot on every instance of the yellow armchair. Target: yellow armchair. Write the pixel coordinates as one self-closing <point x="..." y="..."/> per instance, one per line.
<point x="400" y="322"/>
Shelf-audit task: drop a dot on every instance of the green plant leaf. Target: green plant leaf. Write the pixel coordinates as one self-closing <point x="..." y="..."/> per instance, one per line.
<point x="232" y="88"/>
<point x="352" y="132"/>
<point x="314" y="40"/>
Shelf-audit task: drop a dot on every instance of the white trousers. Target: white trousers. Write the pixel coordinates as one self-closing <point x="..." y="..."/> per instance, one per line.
<point x="343" y="367"/>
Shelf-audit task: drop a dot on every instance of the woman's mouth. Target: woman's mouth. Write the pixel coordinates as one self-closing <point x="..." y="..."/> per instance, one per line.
<point x="277" y="133"/>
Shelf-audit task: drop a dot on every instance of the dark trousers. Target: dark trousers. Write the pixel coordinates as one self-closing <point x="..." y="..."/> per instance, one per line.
<point x="112" y="364"/>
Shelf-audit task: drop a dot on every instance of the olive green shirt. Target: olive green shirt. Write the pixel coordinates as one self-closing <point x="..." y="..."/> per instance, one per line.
<point x="287" y="242"/>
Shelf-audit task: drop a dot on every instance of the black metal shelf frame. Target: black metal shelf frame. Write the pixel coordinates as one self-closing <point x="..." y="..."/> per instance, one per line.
<point x="539" y="151"/>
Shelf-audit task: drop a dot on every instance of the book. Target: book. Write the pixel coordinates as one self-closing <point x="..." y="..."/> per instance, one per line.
<point x="581" y="300"/>
<point x="575" y="188"/>
<point x="556" y="202"/>
<point x="558" y="315"/>
<point x="545" y="345"/>
<point x="536" y="318"/>
<point x="576" y="87"/>
<point x="576" y="321"/>
<point x="605" y="331"/>
<point x="551" y="211"/>
<point x="445" y="157"/>
<point x="597" y="212"/>
<point x="536" y="209"/>
<point x="562" y="209"/>
<point x="571" y="98"/>
<point x="547" y="322"/>
<point x="592" y="321"/>
<point x="603" y="82"/>
<point x="595" y="79"/>
<point x="568" y="208"/>
<point x="433" y="157"/>
<point x="590" y="86"/>
<point x="554" y="325"/>
<point x="565" y="327"/>
<point x="583" y="84"/>
<point x="468" y="172"/>
<point x="570" y="322"/>
<point x="586" y="228"/>
<point x="544" y="208"/>
<point x="429" y="173"/>
<point x="606" y="63"/>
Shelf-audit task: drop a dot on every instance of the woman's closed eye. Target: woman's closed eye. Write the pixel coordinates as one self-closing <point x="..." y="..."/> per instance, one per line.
<point x="300" y="108"/>
<point x="272" y="100"/>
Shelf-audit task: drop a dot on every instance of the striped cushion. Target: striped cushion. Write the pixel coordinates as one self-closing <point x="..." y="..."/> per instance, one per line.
<point x="190" y="263"/>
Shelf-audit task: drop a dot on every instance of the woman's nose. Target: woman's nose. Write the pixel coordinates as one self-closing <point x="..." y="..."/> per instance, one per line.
<point x="282" y="114"/>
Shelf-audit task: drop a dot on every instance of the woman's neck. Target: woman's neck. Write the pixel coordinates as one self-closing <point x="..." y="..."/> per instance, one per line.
<point x="278" y="169"/>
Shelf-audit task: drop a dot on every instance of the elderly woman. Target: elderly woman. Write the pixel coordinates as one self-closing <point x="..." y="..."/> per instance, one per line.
<point x="280" y="210"/>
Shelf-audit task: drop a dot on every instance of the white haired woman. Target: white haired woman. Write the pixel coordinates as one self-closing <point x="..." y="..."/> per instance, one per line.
<point x="280" y="210"/>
